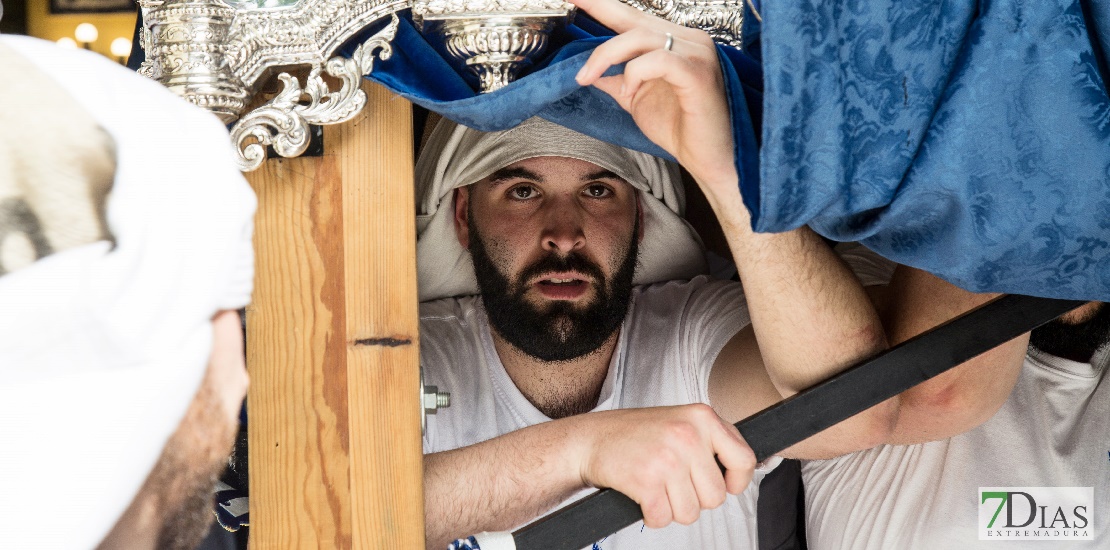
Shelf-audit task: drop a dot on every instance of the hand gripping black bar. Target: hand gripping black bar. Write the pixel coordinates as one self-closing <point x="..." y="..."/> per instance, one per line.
<point x="853" y="391"/>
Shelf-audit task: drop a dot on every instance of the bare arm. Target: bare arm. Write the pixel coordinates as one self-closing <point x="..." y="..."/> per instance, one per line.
<point x="942" y="407"/>
<point x="811" y="316"/>
<point x="660" y="457"/>
<point x="497" y="484"/>
<point x="946" y="405"/>
<point x="963" y="397"/>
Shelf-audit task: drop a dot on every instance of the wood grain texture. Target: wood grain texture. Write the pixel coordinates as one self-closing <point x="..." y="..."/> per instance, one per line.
<point x="335" y="456"/>
<point x="380" y="244"/>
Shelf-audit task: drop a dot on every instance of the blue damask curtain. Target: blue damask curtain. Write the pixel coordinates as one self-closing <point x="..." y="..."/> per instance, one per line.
<point x="971" y="139"/>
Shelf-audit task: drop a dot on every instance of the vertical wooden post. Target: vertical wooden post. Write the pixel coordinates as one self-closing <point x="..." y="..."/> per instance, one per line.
<point x="332" y="343"/>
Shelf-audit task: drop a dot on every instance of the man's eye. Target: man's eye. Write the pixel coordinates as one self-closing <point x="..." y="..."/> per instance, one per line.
<point x="522" y="192"/>
<point x="598" y="191"/>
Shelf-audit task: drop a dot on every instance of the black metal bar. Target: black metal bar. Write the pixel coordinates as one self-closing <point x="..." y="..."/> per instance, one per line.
<point x="809" y="412"/>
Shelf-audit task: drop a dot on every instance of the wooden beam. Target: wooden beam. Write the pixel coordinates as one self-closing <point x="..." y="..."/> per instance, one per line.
<point x="332" y="343"/>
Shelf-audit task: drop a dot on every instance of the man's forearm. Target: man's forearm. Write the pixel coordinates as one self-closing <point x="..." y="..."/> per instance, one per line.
<point x="811" y="319"/>
<point x="661" y="457"/>
<point x="498" y="484"/>
<point x="810" y="314"/>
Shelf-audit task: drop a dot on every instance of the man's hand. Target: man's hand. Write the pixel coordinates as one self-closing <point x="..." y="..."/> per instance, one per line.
<point x="676" y="97"/>
<point x="663" y="458"/>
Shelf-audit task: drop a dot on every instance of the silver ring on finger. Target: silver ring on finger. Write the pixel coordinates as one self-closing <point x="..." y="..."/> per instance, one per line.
<point x="669" y="43"/>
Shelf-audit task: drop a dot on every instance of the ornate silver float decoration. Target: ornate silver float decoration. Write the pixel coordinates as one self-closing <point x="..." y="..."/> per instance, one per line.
<point x="283" y="121"/>
<point x="722" y="19"/>
<point x="217" y="54"/>
<point x="495" y="39"/>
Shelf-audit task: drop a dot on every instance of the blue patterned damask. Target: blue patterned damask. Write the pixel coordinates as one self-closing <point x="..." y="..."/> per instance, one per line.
<point x="971" y="139"/>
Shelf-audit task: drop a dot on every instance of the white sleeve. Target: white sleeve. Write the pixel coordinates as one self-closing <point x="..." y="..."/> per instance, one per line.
<point x="715" y="312"/>
<point x="871" y="268"/>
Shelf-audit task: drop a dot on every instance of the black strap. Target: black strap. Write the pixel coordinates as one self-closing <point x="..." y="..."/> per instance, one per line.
<point x="779" y="510"/>
<point x="807" y="413"/>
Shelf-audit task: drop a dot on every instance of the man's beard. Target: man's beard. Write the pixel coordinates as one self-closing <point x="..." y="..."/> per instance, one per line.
<point x="561" y="330"/>
<point x="184" y="479"/>
<point x="1077" y="341"/>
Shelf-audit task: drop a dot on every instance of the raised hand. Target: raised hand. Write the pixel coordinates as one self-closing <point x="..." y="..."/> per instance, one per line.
<point x="663" y="458"/>
<point x="676" y="95"/>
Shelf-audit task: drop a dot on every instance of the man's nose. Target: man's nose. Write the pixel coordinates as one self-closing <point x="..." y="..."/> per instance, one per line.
<point x="563" y="230"/>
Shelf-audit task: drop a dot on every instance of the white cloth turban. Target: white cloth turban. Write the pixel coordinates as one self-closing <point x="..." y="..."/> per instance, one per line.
<point x="456" y="156"/>
<point x="103" y="347"/>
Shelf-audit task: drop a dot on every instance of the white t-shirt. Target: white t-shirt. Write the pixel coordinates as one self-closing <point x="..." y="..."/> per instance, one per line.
<point x="667" y="345"/>
<point x="1053" y="431"/>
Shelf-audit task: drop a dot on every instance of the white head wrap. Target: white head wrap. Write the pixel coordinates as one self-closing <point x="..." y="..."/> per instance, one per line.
<point x="456" y="156"/>
<point x="102" y="348"/>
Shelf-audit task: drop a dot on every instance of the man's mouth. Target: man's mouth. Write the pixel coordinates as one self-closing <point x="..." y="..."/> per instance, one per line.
<point x="562" y="282"/>
<point x="568" y="277"/>
<point x="562" y="286"/>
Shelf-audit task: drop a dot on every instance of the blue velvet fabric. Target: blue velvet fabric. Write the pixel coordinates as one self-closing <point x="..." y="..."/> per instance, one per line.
<point x="418" y="72"/>
<point x="971" y="139"/>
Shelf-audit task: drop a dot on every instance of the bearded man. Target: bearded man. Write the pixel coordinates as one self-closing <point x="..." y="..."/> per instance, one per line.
<point x="123" y="261"/>
<point x="571" y="369"/>
<point x="564" y="310"/>
<point x="594" y="346"/>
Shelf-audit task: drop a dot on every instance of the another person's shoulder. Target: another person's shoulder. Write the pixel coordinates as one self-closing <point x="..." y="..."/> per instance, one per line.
<point x="871" y="268"/>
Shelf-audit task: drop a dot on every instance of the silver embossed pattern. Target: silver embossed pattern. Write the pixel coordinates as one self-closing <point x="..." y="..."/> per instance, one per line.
<point x="722" y="19"/>
<point x="216" y="55"/>
<point x="283" y="121"/>
<point x="494" y="39"/>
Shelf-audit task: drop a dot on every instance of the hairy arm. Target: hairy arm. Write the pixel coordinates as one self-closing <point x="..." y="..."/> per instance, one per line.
<point x="811" y="315"/>
<point x="498" y="484"/>
<point x="662" y="458"/>
<point x="811" y="318"/>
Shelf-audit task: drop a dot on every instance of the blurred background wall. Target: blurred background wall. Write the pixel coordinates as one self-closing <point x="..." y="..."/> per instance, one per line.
<point x="58" y="20"/>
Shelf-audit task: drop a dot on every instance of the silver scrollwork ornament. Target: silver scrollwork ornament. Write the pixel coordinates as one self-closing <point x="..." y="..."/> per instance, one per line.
<point x="217" y="56"/>
<point x="722" y="19"/>
<point x="283" y="121"/>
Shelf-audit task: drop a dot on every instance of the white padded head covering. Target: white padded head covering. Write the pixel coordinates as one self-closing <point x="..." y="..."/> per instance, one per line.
<point x="102" y="348"/>
<point x="456" y="156"/>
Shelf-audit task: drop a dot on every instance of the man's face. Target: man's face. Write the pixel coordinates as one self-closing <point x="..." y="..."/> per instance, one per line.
<point x="1075" y="335"/>
<point x="554" y="244"/>
<point x="183" y="479"/>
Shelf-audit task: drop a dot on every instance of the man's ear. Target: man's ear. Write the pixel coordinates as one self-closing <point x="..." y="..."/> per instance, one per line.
<point x="462" y="228"/>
